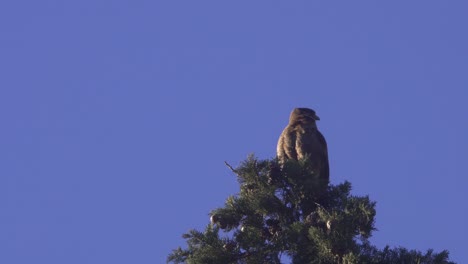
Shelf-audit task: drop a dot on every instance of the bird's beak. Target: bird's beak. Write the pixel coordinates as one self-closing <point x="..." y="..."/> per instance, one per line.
<point x="316" y="117"/>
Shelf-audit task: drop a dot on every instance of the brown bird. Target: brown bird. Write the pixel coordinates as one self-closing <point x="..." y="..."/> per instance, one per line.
<point x="301" y="138"/>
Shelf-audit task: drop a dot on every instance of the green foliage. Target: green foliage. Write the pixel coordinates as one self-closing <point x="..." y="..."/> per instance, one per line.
<point x="371" y="255"/>
<point x="288" y="210"/>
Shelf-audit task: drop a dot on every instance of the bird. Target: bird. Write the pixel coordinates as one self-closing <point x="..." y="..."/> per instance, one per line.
<point x="301" y="139"/>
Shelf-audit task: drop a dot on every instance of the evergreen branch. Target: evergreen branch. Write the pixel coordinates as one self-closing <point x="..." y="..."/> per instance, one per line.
<point x="278" y="211"/>
<point x="230" y="167"/>
<point x="323" y="208"/>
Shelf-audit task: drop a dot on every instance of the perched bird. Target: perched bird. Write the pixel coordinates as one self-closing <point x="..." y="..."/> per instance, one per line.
<point x="301" y="138"/>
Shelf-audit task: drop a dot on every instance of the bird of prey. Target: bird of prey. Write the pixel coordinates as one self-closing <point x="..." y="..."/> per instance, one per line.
<point x="301" y="138"/>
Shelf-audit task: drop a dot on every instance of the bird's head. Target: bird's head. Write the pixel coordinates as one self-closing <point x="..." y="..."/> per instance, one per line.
<point x="303" y="114"/>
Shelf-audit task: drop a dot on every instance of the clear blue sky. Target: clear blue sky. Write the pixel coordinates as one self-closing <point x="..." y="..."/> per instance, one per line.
<point x="116" y="117"/>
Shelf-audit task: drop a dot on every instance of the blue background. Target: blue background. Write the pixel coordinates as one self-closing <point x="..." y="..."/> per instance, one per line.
<point x="116" y="117"/>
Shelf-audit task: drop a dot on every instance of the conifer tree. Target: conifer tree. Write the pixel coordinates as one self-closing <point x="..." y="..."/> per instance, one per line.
<point x="285" y="210"/>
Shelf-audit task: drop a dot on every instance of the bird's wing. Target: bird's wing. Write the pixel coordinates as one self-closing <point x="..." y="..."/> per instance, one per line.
<point x="312" y="143"/>
<point x="286" y="148"/>
<point x="323" y="155"/>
